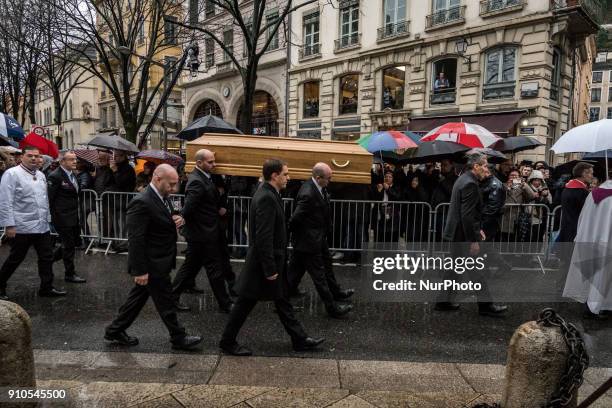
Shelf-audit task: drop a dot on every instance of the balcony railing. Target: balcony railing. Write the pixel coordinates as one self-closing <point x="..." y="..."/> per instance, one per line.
<point x="499" y="90"/>
<point x="311" y="50"/>
<point x="594" y="8"/>
<point x="347" y="41"/>
<point x="495" y="6"/>
<point x="394" y="30"/>
<point x="442" y="96"/>
<point x="444" y="17"/>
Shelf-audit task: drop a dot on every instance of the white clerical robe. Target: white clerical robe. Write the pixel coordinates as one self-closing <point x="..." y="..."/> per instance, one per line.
<point x="589" y="279"/>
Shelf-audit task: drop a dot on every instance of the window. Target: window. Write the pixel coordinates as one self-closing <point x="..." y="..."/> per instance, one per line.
<point x="346" y="135"/>
<point x="610" y="94"/>
<point x="209" y="9"/>
<point x="500" y="73"/>
<point x="193" y="11"/>
<point x="141" y="34"/>
<point x="228" y="41"/>
<point x="272" y="18"/>
<point x="444" y="81"/>
<point x="596" y="95"/>
<point x="170" y="65"/>
<point x="104" y="118"/>
<point x="113" y="117"/>
<point x="71" y="138"/>
<point x="311" y="34"/>
<point x="445" y="11"/>
<point x="593" y="114"/>
<point x="597" y="77"/>
<point x="394" y="17"/>
<point x="311" y="99"/>
<point x="556" y="75"/>
<point x="349" y="89"/>
<point x="208" y="107"/>
<point x="209" y="49"/>
<point x="170" y="29"/>
<point x="349" y="24"/>
<point x="70" y="109"/>
<point x="609" y="113"/>
<point x="394" y="80"/>
<point x="610" y="76"/>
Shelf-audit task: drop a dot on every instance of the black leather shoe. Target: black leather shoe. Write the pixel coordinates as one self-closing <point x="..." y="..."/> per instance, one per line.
<point x="344" y="294"/>
<point x="75" y="279"/>
<point x="3" y="294"/>
<point x="227" y="308"/>
<point x="307" y="344"/>
<point x="181" y="307"/>
<point x="492" y="310"/>
<point x="446" y="306"/>
<point x="187" y="343"/>
<point x="594" y="316"/>
<point x="339" y="310"/>
<point x="195" y="290"/>
<point x="236" y="349"/>
<point x="51" y="293"/>
<point x="121" y="338"/>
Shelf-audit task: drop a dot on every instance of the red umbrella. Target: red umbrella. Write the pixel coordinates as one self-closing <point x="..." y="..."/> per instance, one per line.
<point x="89" y="155"/>
<point x="45" y="146"/>
<point x="467" y="134"/>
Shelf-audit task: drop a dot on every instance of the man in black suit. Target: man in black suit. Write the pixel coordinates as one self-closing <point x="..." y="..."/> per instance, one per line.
<point x="263" y="276"/>
<point x="464" y="227"/>
<point x="63" y="191"/>
<point x="311" y="228"/>
<point x="573" y="197"/>
<point x="205" y="235"/>
<point x="152" y="238"/>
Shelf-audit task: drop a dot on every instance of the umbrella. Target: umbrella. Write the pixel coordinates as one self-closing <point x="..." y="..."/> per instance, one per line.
<point x="516" y="144"/>
<point x="5" y="141"/>
<point x="10" y="149"/>
<point x="9" y="127"/>
<point x="434" y="151"/>
<point x="89" y="155"/>
<point x="160" y="156"/>
<point x="602" y="154"/>
<point x="466" y="134"/>
<point x="386" y="141"/>
<point x="493" y="156"/>
<point x="207" y="124"/>
<point x="114" y="142"/>
<point x="44" y="146"/>
<point x="589" y="138"/>
<point x="416" y="138"/>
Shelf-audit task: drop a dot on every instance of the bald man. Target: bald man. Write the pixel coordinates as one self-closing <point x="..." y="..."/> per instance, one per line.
<point x="205" y="234"/>
<point x="152" y="232"/>
<point x="311" y="226"/>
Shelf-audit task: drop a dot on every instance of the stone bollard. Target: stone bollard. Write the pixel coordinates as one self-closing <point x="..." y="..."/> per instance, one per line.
<point x="537" y="358"/>
<point x="16" y="356"/>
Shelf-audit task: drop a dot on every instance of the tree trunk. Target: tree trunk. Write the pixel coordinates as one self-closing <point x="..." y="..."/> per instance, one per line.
<point x="32" y="101"/>
<point x="131" y="130"/>
<point x="249" y="81"/>
<point x="57" y="108"/>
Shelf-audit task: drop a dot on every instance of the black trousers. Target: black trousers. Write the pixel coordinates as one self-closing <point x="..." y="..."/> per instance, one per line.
<point x="19" y="249"/>
<point x="320" y="269"/>
<point x="160" y="290"/>
<point x="215" y="258"/>
<point x="70" y="238"/>
<point x="243" y="308"/>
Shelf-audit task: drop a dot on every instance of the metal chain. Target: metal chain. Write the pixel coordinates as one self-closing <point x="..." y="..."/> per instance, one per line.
<point x="577" y="362"/>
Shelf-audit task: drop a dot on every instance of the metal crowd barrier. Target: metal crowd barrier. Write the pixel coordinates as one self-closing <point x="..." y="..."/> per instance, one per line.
<point x="525" y="229"/>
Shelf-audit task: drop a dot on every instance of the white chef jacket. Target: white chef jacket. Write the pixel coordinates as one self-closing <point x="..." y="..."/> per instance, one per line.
<point x="24" y="203"/>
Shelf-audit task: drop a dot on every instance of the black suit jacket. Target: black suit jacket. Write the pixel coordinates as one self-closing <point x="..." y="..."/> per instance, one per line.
<point x="201" y="210"/>
<point x="311" y="220"/>
<point x="572" y="201"/>
<point x="267" y="252"/>
<point x="63" y="199"/>
<point x="464" y="217"/>
<point x="151" y="236"/>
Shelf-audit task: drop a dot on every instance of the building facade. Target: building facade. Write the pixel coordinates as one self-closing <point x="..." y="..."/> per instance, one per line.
<point x="399" y="64"/>
<point x="601" y="87"/>
<point x="79" y="118"/>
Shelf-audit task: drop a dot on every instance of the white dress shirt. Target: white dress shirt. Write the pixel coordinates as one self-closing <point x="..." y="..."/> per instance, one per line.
<point x="318" y="187"/>
<point x="24" y="203"/>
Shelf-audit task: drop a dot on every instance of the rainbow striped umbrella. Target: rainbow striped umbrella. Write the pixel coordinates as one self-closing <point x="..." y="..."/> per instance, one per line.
<point x="385" y="141"/>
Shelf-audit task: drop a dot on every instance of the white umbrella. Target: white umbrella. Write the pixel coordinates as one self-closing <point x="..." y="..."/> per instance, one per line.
<point x="588" y="138"/>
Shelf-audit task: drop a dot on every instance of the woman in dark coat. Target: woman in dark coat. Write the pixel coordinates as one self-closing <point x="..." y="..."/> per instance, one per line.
<point x="417" y="215"/>
<point x="387" y="213"/>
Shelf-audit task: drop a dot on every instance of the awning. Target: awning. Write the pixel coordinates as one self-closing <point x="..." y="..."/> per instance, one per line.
<point x="501" y="122"/>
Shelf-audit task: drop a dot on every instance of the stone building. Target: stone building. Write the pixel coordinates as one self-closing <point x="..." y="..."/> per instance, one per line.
<point x="601" y="88"/>
<point x="398" y="64"/>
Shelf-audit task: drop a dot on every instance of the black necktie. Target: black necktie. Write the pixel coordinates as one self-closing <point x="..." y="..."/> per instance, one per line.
<point x="168" y="205"/>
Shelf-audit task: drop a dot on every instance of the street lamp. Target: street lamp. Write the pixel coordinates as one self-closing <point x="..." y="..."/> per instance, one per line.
<point x="461" y="47"/>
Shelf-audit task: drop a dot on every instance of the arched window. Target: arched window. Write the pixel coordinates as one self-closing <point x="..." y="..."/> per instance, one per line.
<point x="394" y="80"/>
<point x="208" y="107"/>
<point x="500" y="73"/>
<point x="311" y="99"/>
<point x="265" y="115"/>
<point x="71" y="138"/>
<point x="444" y="81"/>
<point x="70" y="109"/>
<point x="349" y="94"/>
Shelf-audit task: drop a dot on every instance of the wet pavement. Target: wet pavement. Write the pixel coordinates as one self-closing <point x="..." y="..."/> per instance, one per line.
<point x="373" y="331"/>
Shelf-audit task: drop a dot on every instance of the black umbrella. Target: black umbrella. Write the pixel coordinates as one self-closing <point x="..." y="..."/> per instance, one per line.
<point x="598" y="155"/>
<point x="566" y="168"/>
<point x="5" y="141"/>
<point x="515" y="144"/>
<point x="113" y="142"/>
<point x="433" y="151"/>
<point x="207" y="124"/>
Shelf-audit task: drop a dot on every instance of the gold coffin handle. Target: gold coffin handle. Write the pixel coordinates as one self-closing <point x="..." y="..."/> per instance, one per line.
<point x="341" y="165"/>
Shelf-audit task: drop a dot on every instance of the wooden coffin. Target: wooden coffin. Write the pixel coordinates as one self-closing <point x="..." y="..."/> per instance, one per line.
<point x="244" y="155"/>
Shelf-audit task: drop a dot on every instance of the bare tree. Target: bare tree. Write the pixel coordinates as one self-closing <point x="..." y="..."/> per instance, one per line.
<point x="258" y="32"/>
